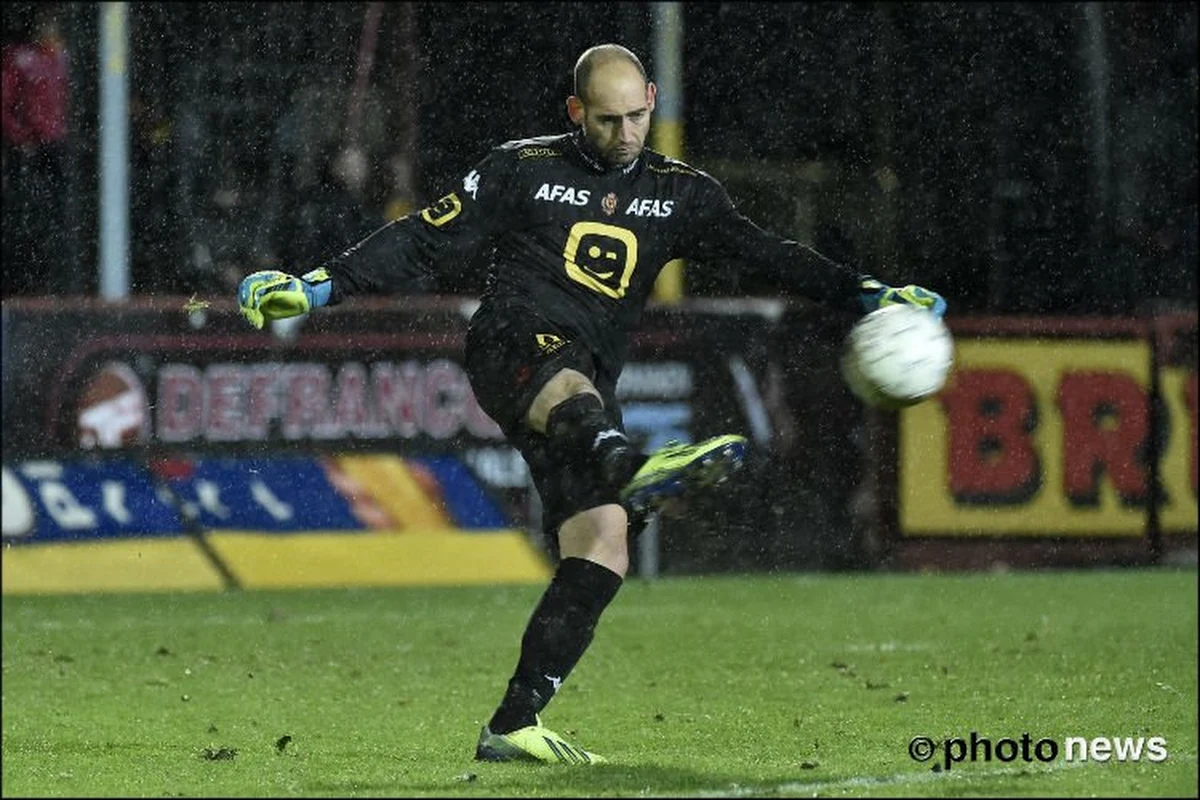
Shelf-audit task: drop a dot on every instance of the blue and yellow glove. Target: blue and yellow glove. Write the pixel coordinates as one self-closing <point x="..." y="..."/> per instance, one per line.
<point x="875" y="295"/>
<point x="271" y="294"/>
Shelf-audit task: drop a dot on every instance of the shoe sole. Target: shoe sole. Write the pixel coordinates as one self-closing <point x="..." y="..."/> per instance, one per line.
<point x="713" y="469"/>
<point x="487" y="753"/>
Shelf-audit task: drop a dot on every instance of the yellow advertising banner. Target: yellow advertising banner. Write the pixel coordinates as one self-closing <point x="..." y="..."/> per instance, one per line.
<point x="1046" y="437"/>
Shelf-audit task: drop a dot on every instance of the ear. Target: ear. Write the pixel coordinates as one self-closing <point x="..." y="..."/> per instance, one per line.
<point x="651" y="94"/>
<point x="575" y="109"/>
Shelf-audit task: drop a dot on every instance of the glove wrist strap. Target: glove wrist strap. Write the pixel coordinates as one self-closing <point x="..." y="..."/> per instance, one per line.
<point x="871" y="292"/>
<point x="317" y="287"/>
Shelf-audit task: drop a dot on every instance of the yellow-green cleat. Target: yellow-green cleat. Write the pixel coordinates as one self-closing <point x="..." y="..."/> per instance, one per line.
<point x="676" y="468"/>
<point x="532" y="743"/>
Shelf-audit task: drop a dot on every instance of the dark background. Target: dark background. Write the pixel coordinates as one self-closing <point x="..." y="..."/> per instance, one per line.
<point x="949" y="145"/>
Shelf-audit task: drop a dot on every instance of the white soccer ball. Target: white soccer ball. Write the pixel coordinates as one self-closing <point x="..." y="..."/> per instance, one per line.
<point x="897" y="356"/>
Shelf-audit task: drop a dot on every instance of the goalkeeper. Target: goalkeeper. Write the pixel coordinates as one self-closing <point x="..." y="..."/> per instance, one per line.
<point x="581" y="224"/>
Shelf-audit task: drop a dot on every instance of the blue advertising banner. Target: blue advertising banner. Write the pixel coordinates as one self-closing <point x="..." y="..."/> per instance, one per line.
<point x="468" y="504"/>
<point x="52" y="500"/>
<point x="60" y="500"/>
<point x="260" y="494"/>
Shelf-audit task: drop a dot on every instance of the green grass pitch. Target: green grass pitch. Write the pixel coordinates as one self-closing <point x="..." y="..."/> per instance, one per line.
<point x="786" y="685"/>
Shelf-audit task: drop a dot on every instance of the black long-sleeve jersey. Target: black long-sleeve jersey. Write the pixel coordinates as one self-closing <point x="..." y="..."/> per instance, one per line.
<point x="581" y="243"/>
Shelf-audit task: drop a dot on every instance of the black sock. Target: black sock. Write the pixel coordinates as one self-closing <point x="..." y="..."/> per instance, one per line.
<point x="580" y="426"/>
<point x="558" y="633"/>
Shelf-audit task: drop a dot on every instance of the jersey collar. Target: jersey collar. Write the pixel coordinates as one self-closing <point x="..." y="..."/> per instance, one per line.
<point x="589" y="157"/>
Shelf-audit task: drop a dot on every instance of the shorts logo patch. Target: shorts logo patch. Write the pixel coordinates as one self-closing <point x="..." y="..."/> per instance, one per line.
<point x="549" y="342"/>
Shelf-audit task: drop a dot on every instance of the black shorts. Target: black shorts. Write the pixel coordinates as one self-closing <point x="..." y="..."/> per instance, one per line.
<point x="511" y="353"/>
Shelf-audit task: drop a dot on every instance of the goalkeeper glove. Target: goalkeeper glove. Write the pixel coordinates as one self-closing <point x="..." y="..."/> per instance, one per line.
<point x="270" y="294"/>
<point x="875" y="295"/>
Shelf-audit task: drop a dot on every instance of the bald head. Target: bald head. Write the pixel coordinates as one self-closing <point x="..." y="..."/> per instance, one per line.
<point x="612" y="102"/>
<point x="603" y="54"/>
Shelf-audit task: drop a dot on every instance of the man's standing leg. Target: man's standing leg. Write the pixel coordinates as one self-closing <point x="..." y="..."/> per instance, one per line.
<point x="581" y="458"/>
<point x="564" y="622"/>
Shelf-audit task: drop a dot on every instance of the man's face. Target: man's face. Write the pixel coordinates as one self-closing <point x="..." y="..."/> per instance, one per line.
<point x="615" y="115"/>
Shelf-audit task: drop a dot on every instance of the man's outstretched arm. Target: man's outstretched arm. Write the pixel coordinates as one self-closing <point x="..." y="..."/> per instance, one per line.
<point x="395" y="258"/>
<point x="721" y="232"/>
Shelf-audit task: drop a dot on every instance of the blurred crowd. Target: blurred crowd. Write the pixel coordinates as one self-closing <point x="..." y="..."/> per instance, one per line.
<point x="36" y="89"/>
<point x="951" y="145"/>
<point x="234" y="165"/>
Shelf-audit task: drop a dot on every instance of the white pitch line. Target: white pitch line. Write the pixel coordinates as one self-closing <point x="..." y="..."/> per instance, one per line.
<point x="898" y="779"/>
<point x="924" y="776"/>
